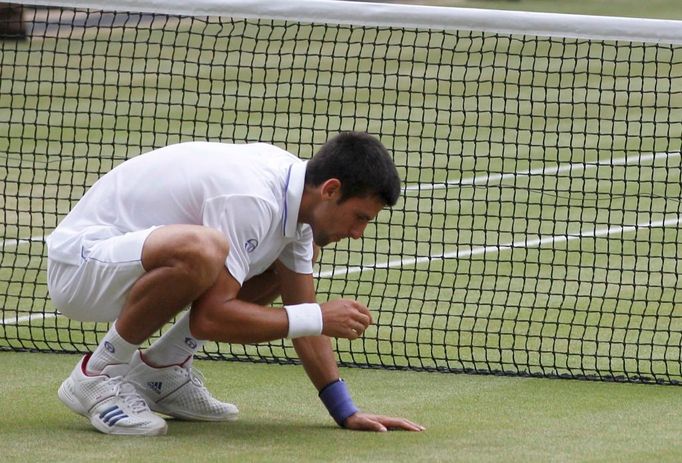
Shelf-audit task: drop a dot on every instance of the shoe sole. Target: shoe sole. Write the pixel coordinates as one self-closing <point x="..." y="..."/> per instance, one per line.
<point x="123" y="431"/>
<point x="189" y="417"/>
<point x="158" y="407"/>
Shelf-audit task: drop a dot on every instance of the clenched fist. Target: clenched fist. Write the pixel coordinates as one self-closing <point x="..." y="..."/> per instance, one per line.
<point x="344" y="318"/>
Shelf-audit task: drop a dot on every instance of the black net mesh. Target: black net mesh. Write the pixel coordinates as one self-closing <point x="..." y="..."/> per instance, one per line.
<point x="539" y="229"/>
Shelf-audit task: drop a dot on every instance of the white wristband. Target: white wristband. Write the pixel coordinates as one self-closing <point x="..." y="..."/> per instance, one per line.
<point x="304" y="320"/>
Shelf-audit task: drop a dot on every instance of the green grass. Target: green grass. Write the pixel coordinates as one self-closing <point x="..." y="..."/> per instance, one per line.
<point x="451" y="108"/>
<point x="468" y="418"/>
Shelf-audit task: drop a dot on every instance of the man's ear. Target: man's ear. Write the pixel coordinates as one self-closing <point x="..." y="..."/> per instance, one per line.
<point x="331" y="189"/>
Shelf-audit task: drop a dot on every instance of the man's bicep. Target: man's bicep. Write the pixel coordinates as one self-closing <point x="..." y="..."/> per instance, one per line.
<point x="296" y="287"/>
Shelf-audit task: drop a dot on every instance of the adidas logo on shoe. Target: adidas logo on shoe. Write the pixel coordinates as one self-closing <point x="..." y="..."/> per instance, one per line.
<point x="112" y="415"/>
<point x="177" y="391"/>
<point x="155" y="386"/>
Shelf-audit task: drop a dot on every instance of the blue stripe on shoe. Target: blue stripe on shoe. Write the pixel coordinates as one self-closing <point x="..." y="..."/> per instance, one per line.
<point x="112" y="415"/>
<point x="110" y="409"/>
<point x="116" y="419"/>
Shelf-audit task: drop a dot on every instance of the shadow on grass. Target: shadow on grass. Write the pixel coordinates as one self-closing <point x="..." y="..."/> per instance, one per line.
<point x="256" y="428"/>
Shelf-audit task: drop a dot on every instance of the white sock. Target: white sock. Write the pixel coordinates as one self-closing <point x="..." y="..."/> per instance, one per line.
<point x="174" y="346"/>
<point x="112" y="350"/>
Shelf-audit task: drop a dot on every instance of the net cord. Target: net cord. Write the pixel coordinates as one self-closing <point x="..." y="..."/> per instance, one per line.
<point x="406" y="16"/>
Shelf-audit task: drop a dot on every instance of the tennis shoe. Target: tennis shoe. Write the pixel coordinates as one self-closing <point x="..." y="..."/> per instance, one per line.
<point x="178" y="391"/>
<point x="111" y="403"/>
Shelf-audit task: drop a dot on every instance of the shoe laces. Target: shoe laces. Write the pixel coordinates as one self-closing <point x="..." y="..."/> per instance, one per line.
<point x="128" y="394"/>
<point x="196" y="377"/>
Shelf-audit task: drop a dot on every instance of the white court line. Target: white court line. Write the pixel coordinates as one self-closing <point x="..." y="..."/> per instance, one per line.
<point x="554" y="170"/>
<point x="483" y="179"/>
<point x="18" y="242"/>
<point x="525" y="243"/>
<point x="27" y="318"/>
<point x="475" y="251"/>
<point x="4" y="244"/>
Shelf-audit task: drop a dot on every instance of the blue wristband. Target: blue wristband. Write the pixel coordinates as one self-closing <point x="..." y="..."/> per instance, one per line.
<point x="336" y="398"/>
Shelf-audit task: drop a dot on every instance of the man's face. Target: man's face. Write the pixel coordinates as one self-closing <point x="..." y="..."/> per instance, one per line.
<point x="334" y="221"/>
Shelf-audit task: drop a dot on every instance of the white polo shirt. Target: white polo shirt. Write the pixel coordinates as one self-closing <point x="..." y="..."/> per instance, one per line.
<point x="250" y="192"/>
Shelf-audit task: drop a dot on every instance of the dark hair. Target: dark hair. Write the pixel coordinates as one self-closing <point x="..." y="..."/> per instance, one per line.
<point x="362" y="165"/>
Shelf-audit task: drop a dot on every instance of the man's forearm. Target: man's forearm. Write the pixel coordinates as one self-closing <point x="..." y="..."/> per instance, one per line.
<point x="318" y="359"/>
<point x="238" y="322"/>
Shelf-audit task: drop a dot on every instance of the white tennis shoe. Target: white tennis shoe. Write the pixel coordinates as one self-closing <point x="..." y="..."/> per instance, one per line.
<point x="178" y="391"/>
<point x="111" y="403"/>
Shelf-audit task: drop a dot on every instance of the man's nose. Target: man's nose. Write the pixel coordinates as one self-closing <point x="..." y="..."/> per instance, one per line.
<point x="357" y="231"/>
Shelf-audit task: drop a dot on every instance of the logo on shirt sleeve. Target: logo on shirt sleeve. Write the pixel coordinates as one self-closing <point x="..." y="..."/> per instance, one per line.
<point x="251" y="245"/>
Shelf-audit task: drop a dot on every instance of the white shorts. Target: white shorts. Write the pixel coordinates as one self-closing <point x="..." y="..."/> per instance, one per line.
<point x="97" y="289"/>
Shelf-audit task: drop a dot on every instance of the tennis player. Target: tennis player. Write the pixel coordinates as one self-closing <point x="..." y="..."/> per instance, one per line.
<point x="224" y="230"/>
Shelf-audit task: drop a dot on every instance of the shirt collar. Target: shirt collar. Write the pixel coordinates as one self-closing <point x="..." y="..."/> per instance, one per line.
<point x="292" y="201"/>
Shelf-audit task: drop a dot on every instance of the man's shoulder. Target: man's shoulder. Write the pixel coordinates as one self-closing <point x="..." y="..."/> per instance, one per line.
<point x="267" y="149"/>
<point x="245" y="147"/>
<point x="199" y="147"/>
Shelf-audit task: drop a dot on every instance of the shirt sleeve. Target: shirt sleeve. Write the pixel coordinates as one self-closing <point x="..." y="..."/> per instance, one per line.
<point x="244" y="220"/>
<point x="298" y="255"/>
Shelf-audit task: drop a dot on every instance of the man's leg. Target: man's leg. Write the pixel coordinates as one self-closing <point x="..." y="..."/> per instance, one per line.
<point x="178" y="343"/>
<point x="167" y="364"/>
<point x="170" y="357"/>
<point x="180" y="262"/>
<point x="176" y="276"/>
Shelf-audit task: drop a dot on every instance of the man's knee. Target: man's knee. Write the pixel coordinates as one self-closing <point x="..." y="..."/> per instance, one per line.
<point x="208" y="245"/>
<point x="202" y="255"/>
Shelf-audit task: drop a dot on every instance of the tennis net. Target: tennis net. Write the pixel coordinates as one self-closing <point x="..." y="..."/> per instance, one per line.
<point x="539" y="228"/>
